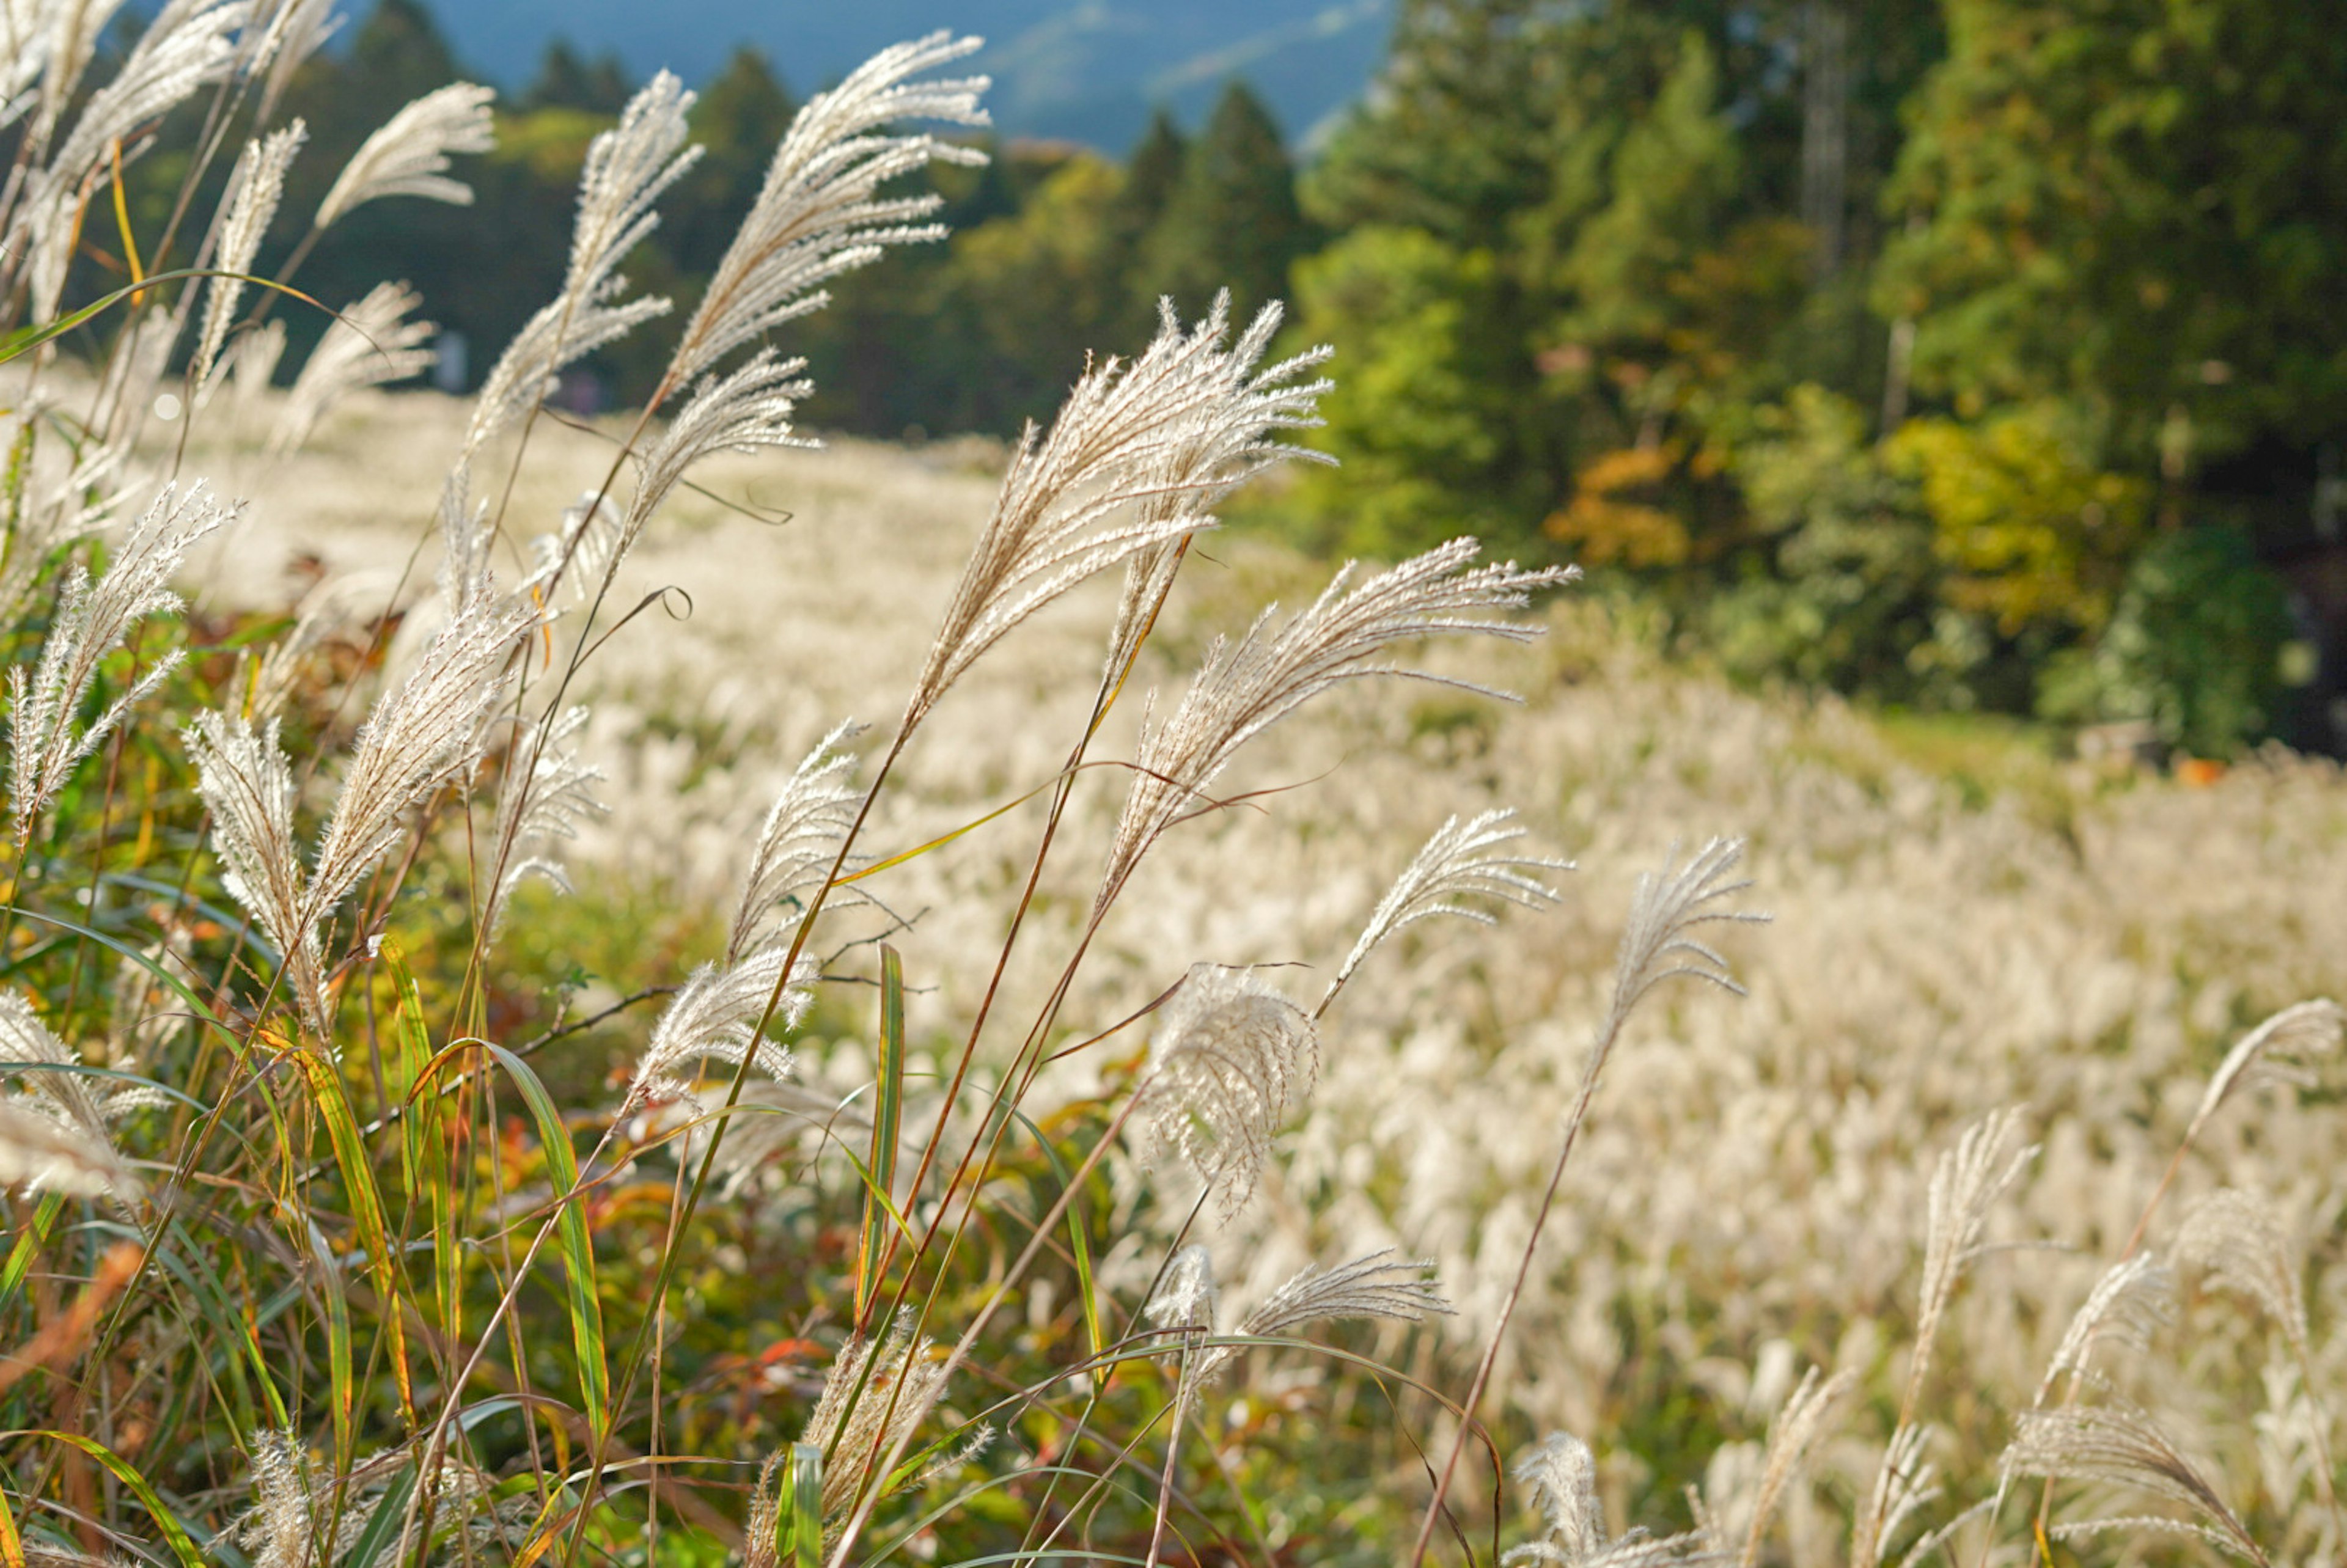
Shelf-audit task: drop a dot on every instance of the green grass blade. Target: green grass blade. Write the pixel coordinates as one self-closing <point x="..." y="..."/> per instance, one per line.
<point x="342" y="1382"/>
<point x="798" y="1513"/>
<point x="29" y="1243"/>
<point x="182" y="1545"/>
<point x="578" y="1247"/>
<point x="424" y="1144"/>
<point x="888" y="1114"/>
<point x="383" y="1523"/>
<point x="366" y="1202"/>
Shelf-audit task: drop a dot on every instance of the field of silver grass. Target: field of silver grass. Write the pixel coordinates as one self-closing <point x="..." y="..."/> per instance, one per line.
<point x="1996" y="1217"/>
<point x="1751" y="1195"/>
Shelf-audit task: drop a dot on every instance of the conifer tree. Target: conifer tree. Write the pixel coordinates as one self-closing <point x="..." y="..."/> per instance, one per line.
<point x="741" y="116"/>
<point x="1232" y="221"/>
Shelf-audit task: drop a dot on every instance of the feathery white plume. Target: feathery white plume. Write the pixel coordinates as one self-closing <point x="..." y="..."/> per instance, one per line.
<point x="2121" y="1445"/>
<point x="582" y="549"/>
<point x="546" y="806"/>
<point x="297" y="30"/>
<point x="2269" y="1054"/>
<point x="872" y="1399"/>
<point x="422" y="733"/>
<point x="628" y="166"/>
<point x="45" y="738"/>
<point x="1134" y="458"/>
<point x="1245" y="688"/>
<point x="819" y="214"/>
<point x="1229" y="1057"/>
<point x="1185" y="1298"/>
<point x="40" y="1152"/>
<point x="2237" y="1236"/>
<point x="409" y="154"/>
<point x="714" y="1018"/>
<point x="799" y="839"/>
<point x="1561" y="1473"/>
<point x="255" y="187"/>
<point x="1789" y="1440"/>
<point x="2131" y="1302"/>
<point x="76" y="1153"/>
<point x="1453" y="867"/>
<point x="1377" y="1285"/>
<point x="183" y="48"/>
<point x="370" y="343"/>
<point x="747" y="410"/>
<point x="247" y="785"/>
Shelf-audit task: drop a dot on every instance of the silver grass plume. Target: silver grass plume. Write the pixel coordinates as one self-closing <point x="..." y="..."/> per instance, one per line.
<point x="247" y="785"/>
<point x="1452" y="866"/>
<point x="2120" y="1445"/>
<point x="1376" y="1287"/>
<point x="39" y="1152"/>
<point x="53" y="1086"/>
<point x="1562" y="1476"/>
<point x="2237" y="1236"/>
<point x="1245" y="688"/>
<point x="714" y="1018"/>
<point x="819" y="214"/>
<point x="284" y="1528"/>
<point x="45" y="739"/>
<point x="2270" y="1053"/>
<point x="628" y="166"/>
<point x="256" y="185"/>
<point x="1230" y="1058"/>
<point x="409" y="154"/>
<point x="874" y="1397"/>
<point x="546" y="806"/>
<point x="71" y="506"/>
<point x="184" y="48"/>
<point x="1902" y="1487"/>
<point x="1184" y="1300"/>
<point x="58" y="1131"/>
<point x="331" y="608"/>
<point x="1561" y="1473"/>
<point x="1214" y="455"/>
<point x="1966" y="1186"/>
<point x="1796" y="1429"/>
<point x="1132" y="459"/>
<point x="748" y="410"/>
<point x="2133" y="1300"/>
<point x="1656" y="945"/>
<point x="298" y="29"/>
<point x="587" y="540"/>
<point x="370" y="343"/>
<point x="799" y="839"/>
<point x="421" y="734"/>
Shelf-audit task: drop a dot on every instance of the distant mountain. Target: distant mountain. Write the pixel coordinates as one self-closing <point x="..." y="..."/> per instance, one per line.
<point x="1088" y="71"/>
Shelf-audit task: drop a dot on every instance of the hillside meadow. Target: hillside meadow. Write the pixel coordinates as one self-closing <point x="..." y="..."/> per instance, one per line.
<point x="1962" y="922"/>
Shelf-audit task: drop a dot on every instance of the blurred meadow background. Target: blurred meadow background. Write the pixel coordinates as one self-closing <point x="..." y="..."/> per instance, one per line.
<point x="1945" y="403"/>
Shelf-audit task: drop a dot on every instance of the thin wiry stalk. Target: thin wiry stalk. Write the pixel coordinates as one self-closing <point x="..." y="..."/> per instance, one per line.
<point x="1657" y="945"/>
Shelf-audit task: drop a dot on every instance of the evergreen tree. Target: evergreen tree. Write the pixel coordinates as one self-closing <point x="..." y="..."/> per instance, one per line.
<point x="565" y="81"/>
<point x="739" y="120"/>
<point x="1232" y="221"/>
<point x="2139" y="208"/>
<point x="1154" y="173"/>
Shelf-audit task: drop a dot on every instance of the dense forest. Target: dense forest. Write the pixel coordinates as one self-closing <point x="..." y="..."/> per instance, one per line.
<point x="1954" y="354"/>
